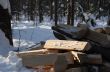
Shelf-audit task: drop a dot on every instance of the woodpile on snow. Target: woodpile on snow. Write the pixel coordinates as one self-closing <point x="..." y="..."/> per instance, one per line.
<point x="80" y="50"/>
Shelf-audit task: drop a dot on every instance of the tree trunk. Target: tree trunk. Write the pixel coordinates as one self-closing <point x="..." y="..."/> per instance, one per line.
<point x="56" y="16"/>
<point x="72" y="12"/>
<point x="40" y="11"/>
<point x="51" y="10"/>
<point x="69" y="12"/>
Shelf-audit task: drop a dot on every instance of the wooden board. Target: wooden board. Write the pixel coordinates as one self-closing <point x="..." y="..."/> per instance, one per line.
<point x="67" y="45"/>
<point x="36" y="52"/>
<point x="32" y="53"/>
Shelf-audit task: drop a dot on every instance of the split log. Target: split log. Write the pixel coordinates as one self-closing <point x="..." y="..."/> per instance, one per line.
<point x="87" y="58"/>
<point x="57" y="62"/>
<point x="67" y="45"/>
<point x="34" y="53"/>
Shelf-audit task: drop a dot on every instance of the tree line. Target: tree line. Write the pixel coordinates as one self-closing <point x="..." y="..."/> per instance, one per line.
<point x="58" y="8"/>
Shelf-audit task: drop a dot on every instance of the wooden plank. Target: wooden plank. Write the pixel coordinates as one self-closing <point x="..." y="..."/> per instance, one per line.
<point x="87" y="58"/>
<point x="32" y="53"/>
<point x="67" y="45"/>
<point x="36" y="52"/>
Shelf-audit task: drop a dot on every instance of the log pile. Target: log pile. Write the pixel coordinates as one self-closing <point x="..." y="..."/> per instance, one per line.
<point x="61" y="56"/>
<point x="99" y="40"/>
<point x="78" y="50"/>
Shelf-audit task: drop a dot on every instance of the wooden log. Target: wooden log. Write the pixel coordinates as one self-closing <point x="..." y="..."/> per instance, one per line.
<point x="100" y="30"/>
<point x="105" y="67"/>
<point x="67" y="45"/>
<point x="107" y="30"/>
<point x="69" y="57"/>
<point x="79" y="69"/>
<point x="99" y="38"/>
<point x="33" y="53"/>
<point x="70" y="31"/>
<point x="87" y="58"/>
<point x="58" y="62"/>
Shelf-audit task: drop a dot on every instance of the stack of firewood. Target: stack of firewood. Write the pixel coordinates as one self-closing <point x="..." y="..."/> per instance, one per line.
<point x="99" y="39"/>
<point x="62" y="56"/>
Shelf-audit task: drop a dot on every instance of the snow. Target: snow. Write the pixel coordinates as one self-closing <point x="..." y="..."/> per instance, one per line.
<point x="28" y="34"/>
<point x="4" y="45"/>
<point x="9" y="62"/>
<point x="12" y="64"/>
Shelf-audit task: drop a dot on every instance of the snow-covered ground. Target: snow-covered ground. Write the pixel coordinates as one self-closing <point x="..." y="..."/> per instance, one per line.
<point x="26" y="34"/>
<point x="9" y="62"/>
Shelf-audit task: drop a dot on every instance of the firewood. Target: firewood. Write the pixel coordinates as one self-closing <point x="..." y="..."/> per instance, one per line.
<point x="107" y="30"/>
<point x="87" y="58"/>
<point x="34" y="53"/>
<point x="99" y="38"/>
<point x="79" y="69"/>
<point x="70" y="31"/>
<point x="67" y="45"/>
<point x="100" y="30"/>
<point x="58" y="62"/>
